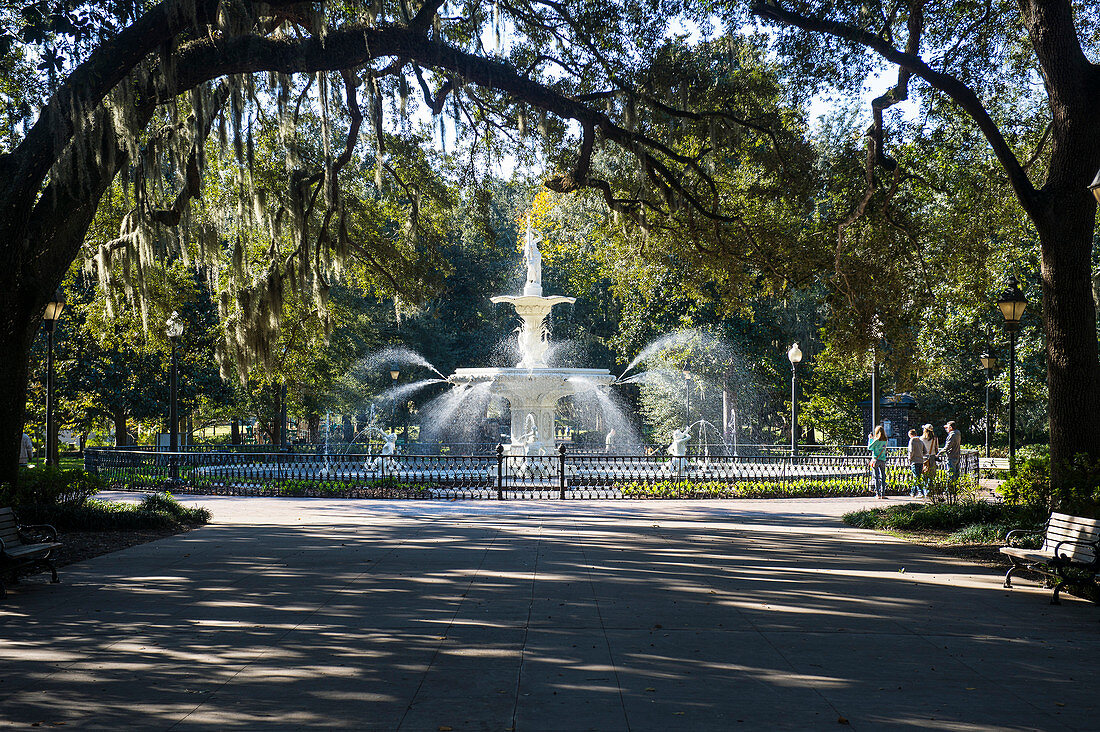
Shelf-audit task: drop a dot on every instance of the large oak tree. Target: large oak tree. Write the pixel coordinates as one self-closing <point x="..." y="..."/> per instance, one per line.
<point x="132" y="90"/>
<point x="984" y="58"/>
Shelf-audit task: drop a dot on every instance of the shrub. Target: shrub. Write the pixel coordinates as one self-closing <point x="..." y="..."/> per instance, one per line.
<point x="389" y="487"/>
<point x="1031" y="483"/>
<point x="1079" y="491"/>
<point x="955" y="517"/>
<point x="990" y="533"/>
<point x="157" y="511"/>
<point x="50" y="486"/>
<point x="745" y="488"/>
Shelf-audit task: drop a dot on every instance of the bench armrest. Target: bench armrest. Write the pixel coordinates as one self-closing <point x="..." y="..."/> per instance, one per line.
<point x="1094" y="544"/>
<point x="1022" y="532"/>
<point x="40" y="532"/>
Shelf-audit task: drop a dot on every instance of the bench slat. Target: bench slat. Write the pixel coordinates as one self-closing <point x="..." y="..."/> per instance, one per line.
<point x="30" y="550"/>
<point x="1066" y="528"/>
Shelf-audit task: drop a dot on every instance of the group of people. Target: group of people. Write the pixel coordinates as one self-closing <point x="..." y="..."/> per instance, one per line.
<point x="925" y="455"/>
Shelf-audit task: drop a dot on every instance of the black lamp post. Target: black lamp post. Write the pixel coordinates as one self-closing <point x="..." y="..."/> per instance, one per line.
<point x="395" y="374"/>
<point x="876" y="339"/>
<point x="173" y="328"/>
<point x="989" y="365"/>
<point x="1012" y="304"/>
<point x="50" y="318"/>
<point x="795" y="357"/>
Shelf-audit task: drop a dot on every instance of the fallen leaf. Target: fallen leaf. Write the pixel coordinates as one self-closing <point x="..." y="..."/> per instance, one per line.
<point x="650" y="688"/>
<point x="842" y="720"/>
<point x="443" y="728"/>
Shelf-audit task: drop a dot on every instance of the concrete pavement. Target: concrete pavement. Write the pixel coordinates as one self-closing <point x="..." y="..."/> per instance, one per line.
<point x="647" y="615"/>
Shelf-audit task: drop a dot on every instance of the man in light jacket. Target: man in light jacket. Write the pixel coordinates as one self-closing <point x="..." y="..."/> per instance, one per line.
<point x="952" y="449"/>
<point x="26" y="449"/>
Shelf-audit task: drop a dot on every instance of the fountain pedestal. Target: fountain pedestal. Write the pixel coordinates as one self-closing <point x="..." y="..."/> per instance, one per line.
<point x="533" y="338"/>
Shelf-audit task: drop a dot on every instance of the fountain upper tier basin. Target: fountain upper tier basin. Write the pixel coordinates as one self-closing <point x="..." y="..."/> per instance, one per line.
<point x="504" y="376"/>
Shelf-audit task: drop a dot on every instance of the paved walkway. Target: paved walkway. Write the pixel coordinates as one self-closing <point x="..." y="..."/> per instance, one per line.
<point x="708" y="615"/>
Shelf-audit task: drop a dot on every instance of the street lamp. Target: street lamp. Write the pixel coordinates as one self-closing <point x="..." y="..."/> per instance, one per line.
<point x="795" y="357"/>
<point x="395" y="374"/>
<point x="50" y="318"/>
<point x="1095" y="186"/>
<point x="989" y="365"/>
<point x="173" y="328"/>
<point x="1012" y="304"/>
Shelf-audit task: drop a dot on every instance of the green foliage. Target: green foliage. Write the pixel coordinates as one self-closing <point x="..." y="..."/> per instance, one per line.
<point x="745" y="489"/>
<point x="954" y="517"/>
<point x="155" y="512"/>
<point x="50" y="486"/>
<point x="1079" y="492"/>
<point x="389" y="487"/>
<point x="988" y="533"/>
<point x="1030" y="485"/>
<point x="382" y="488"/>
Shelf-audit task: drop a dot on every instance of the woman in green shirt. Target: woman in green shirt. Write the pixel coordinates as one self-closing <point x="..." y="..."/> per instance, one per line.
<point x="877" y="446"/>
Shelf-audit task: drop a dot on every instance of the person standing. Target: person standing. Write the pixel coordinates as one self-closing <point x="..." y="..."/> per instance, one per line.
<point x="878" y="460"/>
<point x="26" y="450"/>
<point x="952" y="450"/>
<point x="931" y="448"/>
<point x="916" y="464"/>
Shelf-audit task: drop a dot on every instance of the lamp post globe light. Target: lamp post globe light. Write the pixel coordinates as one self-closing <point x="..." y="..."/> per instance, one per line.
<point x="989" y="365"/>
<point x="50" y="317"/>
<point x="173" y="328"/>
<point x="794" y="355"/>
<point x="1095" y="186"/>
<point x="1012" y="304"/>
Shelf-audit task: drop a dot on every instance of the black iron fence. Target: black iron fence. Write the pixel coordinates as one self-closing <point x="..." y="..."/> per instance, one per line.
<point x="416" y="447"/>
<point x="548" y="474"/>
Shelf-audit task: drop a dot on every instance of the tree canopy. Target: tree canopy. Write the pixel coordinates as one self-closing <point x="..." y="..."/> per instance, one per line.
<point x="283" y="150"/>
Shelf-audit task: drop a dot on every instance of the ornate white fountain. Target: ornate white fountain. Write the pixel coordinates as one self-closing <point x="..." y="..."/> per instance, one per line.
<point x="533" y="388"/>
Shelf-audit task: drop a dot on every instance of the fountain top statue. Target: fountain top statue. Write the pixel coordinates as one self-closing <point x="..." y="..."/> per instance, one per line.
<point x="533" y="258"/>
<point x="532" y="307"/>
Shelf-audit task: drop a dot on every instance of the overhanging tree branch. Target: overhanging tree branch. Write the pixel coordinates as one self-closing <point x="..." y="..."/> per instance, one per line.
<point x="963" y="95"/>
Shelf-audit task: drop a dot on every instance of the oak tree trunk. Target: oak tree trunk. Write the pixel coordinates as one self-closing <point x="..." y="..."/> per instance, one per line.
<point x="17" y="333"/>
<point x="122" y="434"/>
<point x="1069" y="325"/>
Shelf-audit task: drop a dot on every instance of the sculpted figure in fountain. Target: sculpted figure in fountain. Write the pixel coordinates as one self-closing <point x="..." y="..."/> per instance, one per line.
<point x="389" y="449"/>
<point x="533" y="449"/>
<point x="533" y="258"/>
<point x="678" y="448"/>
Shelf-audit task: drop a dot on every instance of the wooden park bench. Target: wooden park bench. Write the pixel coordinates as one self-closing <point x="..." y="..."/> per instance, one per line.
<point x="992" y="463"/>
<point x="24" y="546"/>
<point x="1069" y="543"/>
